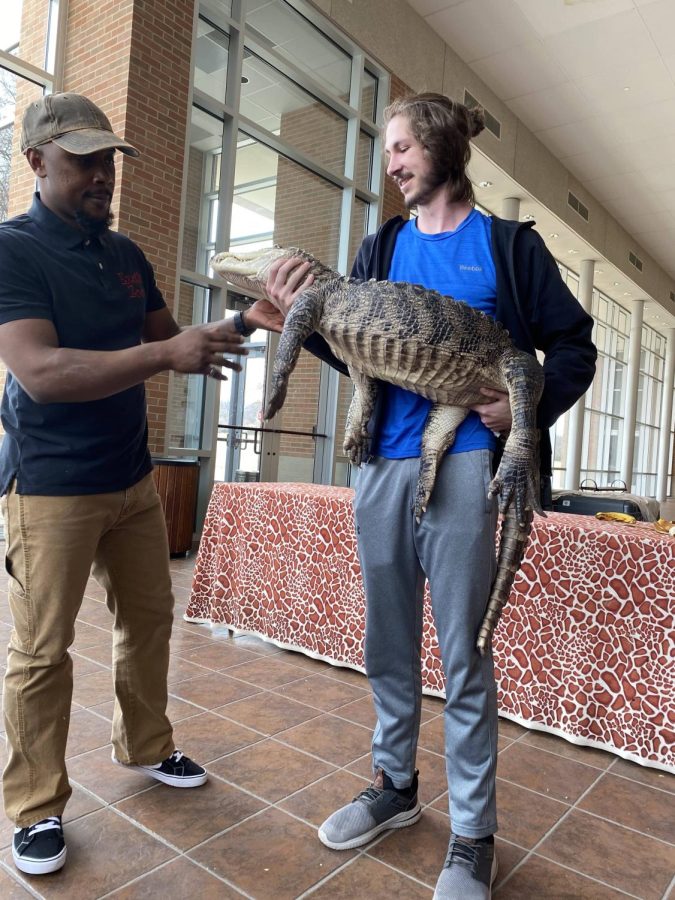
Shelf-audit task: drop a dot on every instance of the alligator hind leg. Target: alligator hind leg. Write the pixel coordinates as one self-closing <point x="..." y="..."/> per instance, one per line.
<point x="357" y="439"/>
<point x="439" y="433"/>
<point x="517" y="479"/>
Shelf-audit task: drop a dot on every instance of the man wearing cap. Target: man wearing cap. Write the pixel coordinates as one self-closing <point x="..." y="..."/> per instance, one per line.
<point x="82" y="326"/>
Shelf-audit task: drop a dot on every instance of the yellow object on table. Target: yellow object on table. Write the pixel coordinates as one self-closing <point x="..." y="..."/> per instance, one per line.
<point x="616" y="517"/>
<point x="664" y="526"/>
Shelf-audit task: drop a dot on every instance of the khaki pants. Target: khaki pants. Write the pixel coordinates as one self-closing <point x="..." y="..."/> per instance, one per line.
<point x="53" y="543"/>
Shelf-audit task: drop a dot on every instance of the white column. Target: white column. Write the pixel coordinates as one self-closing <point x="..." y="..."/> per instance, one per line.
<point x="511" y="208"/>
<point x="630" y="404"/>
<point x="663" y="469"/>
<point x="575" y="420"/>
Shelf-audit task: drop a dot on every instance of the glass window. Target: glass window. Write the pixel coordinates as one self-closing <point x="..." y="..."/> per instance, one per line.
<point x="296" y="39"/>
<point x="28" y="30"/>
<point x="288" y="189"/>
<point x="17" y="181"/>
<point x="277" y="200"/>
<point x="364" y="161"/>
<point x="211" y="55"/>
<point x="203" y="181"/>
<point x="215" y="9"/>
<point x="185" y="412"/>
<point x="369" y="95"/>
<point x="274" y="102"/>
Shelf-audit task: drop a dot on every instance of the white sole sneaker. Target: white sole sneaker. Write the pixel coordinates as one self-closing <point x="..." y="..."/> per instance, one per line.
<point x="177" y="781"/>
<point x="402" y="820"/>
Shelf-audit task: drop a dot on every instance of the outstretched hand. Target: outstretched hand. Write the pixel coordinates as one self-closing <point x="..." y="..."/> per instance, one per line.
<point x="200" y="349"/>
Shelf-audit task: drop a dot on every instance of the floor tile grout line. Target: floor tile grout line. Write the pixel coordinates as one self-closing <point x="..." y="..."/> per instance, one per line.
<point x="181" y="853"/>
<point x="17" y="877"/>
<point x="532" y="854"/>
<point x="573" y="807"/>
<point x="521" y="739"/>
<point x="670" y="890"/>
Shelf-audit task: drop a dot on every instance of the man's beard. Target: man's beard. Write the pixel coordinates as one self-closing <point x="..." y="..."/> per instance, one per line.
<point x="428" y="185"/>
<point x="93" y="227"/>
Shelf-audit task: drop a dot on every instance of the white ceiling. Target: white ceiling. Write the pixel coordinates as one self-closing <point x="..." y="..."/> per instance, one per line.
<point x="594" y="80"/>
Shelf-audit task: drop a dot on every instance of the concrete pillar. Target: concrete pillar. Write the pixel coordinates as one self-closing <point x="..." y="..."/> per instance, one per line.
<point x="511" y="208"/>
<point x="630" y="404"/>
<point x="575" y="421"/>
<point x="663" y="467"/>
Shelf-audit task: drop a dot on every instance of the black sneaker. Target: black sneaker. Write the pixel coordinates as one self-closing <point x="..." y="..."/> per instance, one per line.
<point x="177" y="770"/>
<point x="39" y="848"/>
<point x="379" y="807"/>
<point x="469" y="870"/>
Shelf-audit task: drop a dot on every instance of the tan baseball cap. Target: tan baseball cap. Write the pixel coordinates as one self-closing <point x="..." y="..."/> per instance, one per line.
<point x="72" y="122"/>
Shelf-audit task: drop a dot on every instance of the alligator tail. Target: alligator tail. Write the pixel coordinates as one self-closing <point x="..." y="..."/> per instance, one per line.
<point x="514" y="538"/>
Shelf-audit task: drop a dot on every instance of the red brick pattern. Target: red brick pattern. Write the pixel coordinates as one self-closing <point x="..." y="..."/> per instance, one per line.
<point x="583" y="649"/>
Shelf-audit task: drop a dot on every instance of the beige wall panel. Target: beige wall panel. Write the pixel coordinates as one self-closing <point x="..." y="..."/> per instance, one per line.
<point x="540" y="173"/>
<point x="323" y="5"/>
<point x="393" y="33"/>
<point x="456" y="78"/>
<point x="616" y="247"/>
<point x="594" y="230"/>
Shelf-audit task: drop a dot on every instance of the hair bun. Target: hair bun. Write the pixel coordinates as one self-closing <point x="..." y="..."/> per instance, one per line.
<point x="476" y="120"/>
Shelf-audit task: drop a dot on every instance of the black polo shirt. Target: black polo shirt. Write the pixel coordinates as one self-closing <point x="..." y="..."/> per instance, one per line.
<point x="97" y="292"/>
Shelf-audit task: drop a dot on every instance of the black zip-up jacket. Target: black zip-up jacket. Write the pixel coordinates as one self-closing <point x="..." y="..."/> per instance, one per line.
<point x="533" y="303"/>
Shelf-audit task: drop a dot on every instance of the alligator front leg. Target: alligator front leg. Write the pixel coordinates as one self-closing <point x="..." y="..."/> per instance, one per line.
<point x="357" y="439"/>
<point x="439" y="433"/>
<point x="301" y="321"/>
<point x="517" y="478"/>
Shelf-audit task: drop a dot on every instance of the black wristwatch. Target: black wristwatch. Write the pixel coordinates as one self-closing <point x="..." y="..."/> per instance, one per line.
<point x="240" y="325"/>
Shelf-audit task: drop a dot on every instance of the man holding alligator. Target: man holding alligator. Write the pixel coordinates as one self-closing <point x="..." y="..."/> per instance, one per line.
<point x="504" y="269"/>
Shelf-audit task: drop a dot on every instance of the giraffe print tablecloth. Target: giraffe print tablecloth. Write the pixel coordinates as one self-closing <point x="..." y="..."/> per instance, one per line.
<point x="585" y="648"/>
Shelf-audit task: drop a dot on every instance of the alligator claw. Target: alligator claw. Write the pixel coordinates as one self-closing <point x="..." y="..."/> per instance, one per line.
<point x="356" y="448"/>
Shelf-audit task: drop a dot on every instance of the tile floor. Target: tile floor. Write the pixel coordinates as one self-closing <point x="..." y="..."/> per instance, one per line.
<point x="286" y="739"/>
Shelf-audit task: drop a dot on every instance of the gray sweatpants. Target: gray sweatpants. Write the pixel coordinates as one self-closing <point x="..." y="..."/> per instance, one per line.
<point x="454" y="547"/>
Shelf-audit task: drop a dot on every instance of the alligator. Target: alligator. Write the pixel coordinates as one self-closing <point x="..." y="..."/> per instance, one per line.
<point x="430" y="344"/>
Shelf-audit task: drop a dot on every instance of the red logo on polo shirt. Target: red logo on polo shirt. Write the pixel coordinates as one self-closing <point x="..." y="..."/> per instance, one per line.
<point x="133" y="282"/>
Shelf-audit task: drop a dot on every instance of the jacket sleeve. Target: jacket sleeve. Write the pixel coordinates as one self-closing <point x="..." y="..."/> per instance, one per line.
<point x="561" y="329"/>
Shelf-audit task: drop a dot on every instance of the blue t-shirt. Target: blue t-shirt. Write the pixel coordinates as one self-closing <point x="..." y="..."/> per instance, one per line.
<point x="458" y="264"/>
<point x="97" y="293"/>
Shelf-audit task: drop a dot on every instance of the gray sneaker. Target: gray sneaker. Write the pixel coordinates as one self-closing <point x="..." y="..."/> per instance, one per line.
<point x="379" y="807"/>
<point x="468" y="873"/>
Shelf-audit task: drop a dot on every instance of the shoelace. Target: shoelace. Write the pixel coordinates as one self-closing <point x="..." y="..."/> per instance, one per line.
<point x="176" y="756"/>
<point x="44" y="825"/>
<point x="463" y="854"/>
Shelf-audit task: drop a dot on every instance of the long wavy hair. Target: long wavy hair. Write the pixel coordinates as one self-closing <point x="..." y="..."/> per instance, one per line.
<point x="443" y="127"/>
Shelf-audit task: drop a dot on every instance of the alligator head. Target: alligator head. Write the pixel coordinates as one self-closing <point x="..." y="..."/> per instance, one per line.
<point x="249" y="269"/>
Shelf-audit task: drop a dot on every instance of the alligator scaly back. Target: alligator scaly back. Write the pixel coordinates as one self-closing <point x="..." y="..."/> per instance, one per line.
<point x="432" y="345"/>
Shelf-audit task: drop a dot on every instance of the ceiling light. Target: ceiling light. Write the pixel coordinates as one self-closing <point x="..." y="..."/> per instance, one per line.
<point x="616" y="283"/>
<point x="529" y="217"/>
<point x="484" y="184"/>
<point x="599" y="271"/>
<point x="572" y="251"/>
<point x="554" y="235"/>
<point x="626" y="293"/>
<point x="626" y="88"/>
